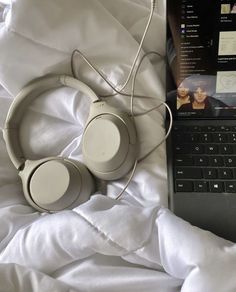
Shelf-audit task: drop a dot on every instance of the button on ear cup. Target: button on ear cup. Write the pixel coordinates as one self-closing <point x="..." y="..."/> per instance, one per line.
<point x="57" y="184"/>
<point x="106" y="146"/>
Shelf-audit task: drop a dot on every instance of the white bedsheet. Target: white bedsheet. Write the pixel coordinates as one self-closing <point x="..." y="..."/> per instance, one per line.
<point x="135" y="244"/>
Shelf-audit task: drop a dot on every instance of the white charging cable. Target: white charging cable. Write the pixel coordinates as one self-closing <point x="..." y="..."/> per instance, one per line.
<point x="153" y="4"/>
<point x="132" y="95"/>
<point x="102" y="75"/>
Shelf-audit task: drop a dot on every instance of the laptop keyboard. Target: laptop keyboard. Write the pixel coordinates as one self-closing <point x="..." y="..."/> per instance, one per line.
<point x="204" y="158"/>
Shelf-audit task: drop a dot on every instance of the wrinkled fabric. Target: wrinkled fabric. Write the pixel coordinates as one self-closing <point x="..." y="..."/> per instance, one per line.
<point x="135" y="244"/>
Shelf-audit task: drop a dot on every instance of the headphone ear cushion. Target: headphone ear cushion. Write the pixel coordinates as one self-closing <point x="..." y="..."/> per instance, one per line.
<point x="56" y="184"/>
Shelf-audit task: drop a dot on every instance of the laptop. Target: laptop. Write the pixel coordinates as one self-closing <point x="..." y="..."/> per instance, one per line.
<point x="201" y="91"/>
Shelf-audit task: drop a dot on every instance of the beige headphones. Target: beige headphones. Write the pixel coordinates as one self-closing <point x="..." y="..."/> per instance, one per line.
<point x="108" y="147"/>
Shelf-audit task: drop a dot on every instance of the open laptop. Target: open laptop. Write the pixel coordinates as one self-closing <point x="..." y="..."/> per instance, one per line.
<point x="201" y="91"/>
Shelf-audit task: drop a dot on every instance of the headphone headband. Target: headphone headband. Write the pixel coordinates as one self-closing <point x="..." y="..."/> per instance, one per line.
<point x="27" y="95"/>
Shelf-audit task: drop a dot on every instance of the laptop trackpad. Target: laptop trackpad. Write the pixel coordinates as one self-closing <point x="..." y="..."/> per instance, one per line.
<point x="213" y="212"/>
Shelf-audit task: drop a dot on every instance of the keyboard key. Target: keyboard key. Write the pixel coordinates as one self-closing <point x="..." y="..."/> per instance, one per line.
<point x="188" y="173"/>
<point x="219" y="137"/>
<point x="178" y="128"/>
<point x="225" y="173"/>
<point x="183" y="160"/>
<point x="209" y="129"/>
<point x="224" y="129"/>
<point x="193" y="138"/>
<point x="212" y="149"/>
<point x="216" y="161"/>
<point x="184" y="186"/>
<point x="216" y="186"/>
<point x="232" y="137"/>
<point x="200" y="186"/>
<point x="230" y="161"/>
<point x="206" y="138"/>
<point x="182" y="149"/>
<point x="226" y="149"/>
<point x="230" y="187"/>
<point x="194" y="128"/>
<point x="234" y="172"/>
<point x="210" y="173"/>
<point x="177" y="137"/>
<point x="197" y="149"/>
<point x="200" y="160"/>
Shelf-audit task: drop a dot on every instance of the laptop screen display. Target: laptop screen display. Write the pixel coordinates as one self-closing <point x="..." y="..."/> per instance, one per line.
<point x="201" y="50"/>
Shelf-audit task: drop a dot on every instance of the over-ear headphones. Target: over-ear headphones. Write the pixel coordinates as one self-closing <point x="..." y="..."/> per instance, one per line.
<point x="108" y="146"/>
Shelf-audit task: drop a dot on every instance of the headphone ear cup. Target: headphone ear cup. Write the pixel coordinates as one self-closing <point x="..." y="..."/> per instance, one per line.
<point x="109" y="145"/>
<point x="55" y="184"/>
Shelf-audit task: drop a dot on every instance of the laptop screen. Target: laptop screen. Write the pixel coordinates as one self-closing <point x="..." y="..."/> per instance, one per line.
<point x="201" y="50"/>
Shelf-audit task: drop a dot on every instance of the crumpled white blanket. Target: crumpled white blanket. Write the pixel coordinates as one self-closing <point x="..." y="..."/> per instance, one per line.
<point x="135" y="244"/>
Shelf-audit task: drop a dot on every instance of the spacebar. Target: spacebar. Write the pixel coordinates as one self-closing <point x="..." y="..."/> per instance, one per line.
<point x="188" y="172"/>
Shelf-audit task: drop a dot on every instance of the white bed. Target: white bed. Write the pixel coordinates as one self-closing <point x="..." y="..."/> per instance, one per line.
<point x="135" y="244"/>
